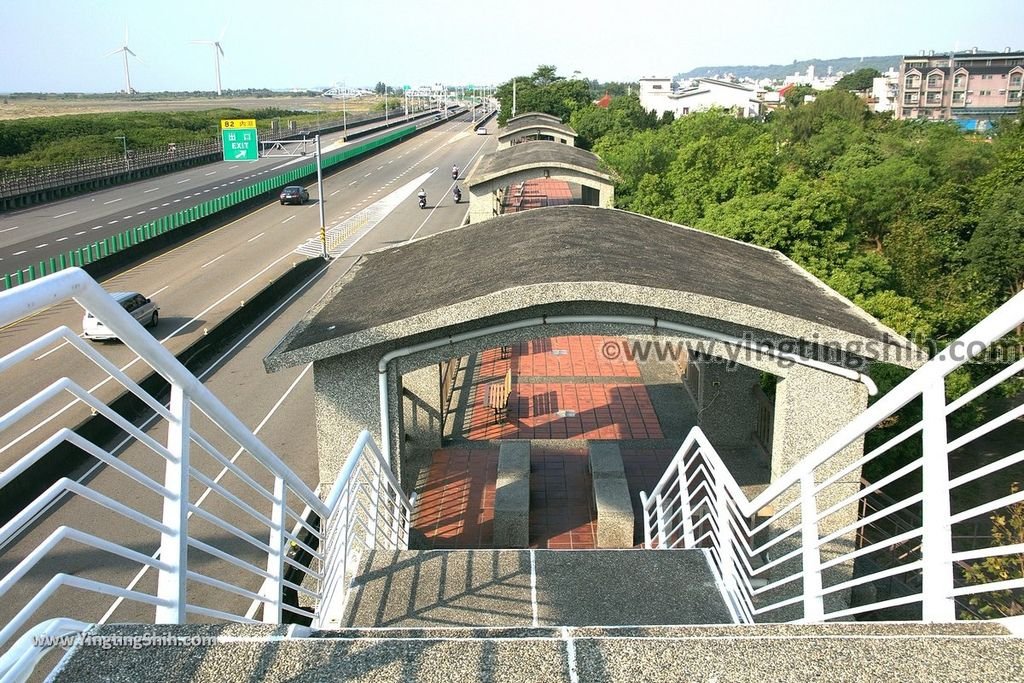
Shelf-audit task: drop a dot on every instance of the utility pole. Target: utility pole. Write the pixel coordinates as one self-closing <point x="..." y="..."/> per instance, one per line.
<point x="124" y="143"/>
<point x="320" y="192"/>
<point x="513" y="98"/>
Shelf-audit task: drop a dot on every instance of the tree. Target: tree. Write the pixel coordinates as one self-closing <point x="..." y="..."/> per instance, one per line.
<point x="543" y="91"/>
<point x="861" y="79"/>
<point x="794" y="97"/>
<point x="996" y="249"/>
<point x="1007" y="529"/>
<point x="380" y="88"/>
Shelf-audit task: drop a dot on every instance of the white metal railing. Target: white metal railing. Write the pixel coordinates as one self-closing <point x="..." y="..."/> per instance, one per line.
<point x="795" y="551"/>
<point x="233" y="524"/>
<point x="369" y="510"/>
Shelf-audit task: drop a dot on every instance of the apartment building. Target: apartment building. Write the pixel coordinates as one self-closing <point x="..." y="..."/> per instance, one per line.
<point x="969" y="87"/>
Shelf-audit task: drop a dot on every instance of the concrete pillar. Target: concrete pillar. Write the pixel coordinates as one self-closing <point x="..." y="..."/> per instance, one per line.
<point x="345" y="401"/>
<point x="727" y="410"/>
<point x="420" y="426"/>
<point x="811" y="406"/>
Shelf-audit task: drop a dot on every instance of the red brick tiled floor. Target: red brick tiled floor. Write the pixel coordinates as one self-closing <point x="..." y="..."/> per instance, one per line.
<point x="596" y="410"/>
<point x="455" y="508"/>
<point x="583" y="356"/>
<point x="597" y="395"/>
<point x="456" y="504"/>
<point x="537" y="193"/>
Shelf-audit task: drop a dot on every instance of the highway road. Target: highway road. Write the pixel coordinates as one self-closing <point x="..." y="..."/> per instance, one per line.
<point x="31" y="235"/>
<point x="251" y="258"/>
<point x="197" y="284"/>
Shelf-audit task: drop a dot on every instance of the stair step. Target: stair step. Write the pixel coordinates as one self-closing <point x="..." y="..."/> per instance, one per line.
<point x="963" y="652"/>
<point x="524" y="588"/>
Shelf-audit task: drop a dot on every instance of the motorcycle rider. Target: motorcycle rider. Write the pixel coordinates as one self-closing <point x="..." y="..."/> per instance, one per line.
<point x="457" y="193"/>
<point x="423" y="197"/>
<point x="455" y="172"/>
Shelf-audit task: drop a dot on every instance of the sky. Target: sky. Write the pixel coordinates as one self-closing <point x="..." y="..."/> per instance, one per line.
<point x="62" y="45"/>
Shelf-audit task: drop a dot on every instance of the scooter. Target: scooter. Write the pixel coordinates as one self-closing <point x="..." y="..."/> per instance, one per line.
<point x="457" y="194"/>
<point x="423" y="201"/>
<point x="455" y="174"/>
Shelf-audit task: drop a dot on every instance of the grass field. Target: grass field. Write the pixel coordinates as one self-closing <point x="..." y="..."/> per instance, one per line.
<point x="19" y="107"/>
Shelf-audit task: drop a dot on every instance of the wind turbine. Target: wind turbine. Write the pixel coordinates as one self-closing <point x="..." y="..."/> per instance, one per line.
<point x="125" y="51"/>
<point x="218" y="52"/>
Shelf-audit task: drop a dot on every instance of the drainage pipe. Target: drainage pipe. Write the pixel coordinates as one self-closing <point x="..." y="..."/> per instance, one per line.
<point x="655" y="323"/>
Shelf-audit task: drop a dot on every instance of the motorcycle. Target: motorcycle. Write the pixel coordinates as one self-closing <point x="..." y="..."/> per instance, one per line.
<point x="457" y="194"/>
<point x="455" y="173"/>
<point x="423" y="200"/>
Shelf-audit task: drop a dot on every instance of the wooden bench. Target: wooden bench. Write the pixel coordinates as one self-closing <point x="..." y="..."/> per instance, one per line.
<point x="611" y="497"/>
<point x="496" y="395"/>
<point x="512" y="496"/>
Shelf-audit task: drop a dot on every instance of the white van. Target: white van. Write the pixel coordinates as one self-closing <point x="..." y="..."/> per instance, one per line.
<point x="142" y="309"/>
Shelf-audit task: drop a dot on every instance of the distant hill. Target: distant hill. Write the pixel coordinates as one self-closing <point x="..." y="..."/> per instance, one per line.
<point x="778" y="71"/>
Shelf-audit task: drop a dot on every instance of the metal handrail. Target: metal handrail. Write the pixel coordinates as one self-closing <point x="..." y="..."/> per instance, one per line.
<point x="367" y="496"/>
<point x="802" y="526"/>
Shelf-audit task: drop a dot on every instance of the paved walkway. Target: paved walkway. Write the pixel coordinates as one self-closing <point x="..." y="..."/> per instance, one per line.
<point x="456" y="504"/>
<point x="565" y="390"/>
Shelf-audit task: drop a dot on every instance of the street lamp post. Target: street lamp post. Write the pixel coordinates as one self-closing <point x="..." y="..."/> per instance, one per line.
<point x="124" y="143"/>
<point x="320" y="192"/>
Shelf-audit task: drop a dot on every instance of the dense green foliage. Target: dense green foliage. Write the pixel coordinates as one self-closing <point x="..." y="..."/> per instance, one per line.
<point x="41" y="141"/>
<point x="861" y="79"/>
<point x="543" y="91"/>
<point x="918" y="224"/>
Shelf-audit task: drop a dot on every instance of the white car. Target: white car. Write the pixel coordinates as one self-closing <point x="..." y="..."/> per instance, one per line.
<point x="482" y="130"/>
<point x="142" y="309"/>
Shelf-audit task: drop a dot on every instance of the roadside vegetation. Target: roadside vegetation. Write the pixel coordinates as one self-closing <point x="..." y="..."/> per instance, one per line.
<point x="38" y="142"/>
<point x="920" y="224"/>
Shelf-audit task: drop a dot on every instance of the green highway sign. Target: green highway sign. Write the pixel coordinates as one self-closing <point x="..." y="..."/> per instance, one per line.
<point x="240" y="141"/>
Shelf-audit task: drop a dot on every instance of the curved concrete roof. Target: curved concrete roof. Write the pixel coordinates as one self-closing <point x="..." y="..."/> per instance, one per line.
<point x="536" y="154"/>
<point x="577" y="259"/>
<point x="519" y="123"/>
<point x="538" y="114"/>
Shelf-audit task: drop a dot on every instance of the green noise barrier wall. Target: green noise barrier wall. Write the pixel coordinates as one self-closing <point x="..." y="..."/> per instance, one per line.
<point x="136" y="235"/>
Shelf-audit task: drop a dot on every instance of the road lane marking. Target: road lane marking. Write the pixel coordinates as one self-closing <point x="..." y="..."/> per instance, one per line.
<point x="19" y="253"/>
<point x="213" y="261"/>
<point x="230" y="168"/>
<point x="110" y="222"/>
<point x="81" y="232"/>
<point x="61" y="239"/>
<point x="158" y="291"/>
<point x="53" y="350"/>
<point x="287" y="219"/>
<point x="184" y="181"/>
<point x="253" y="239"/>
<point x="353" y="183"/>
<point x="368" y="175"/>
<point x="148" y="191"/>
<point x="153" y="208"/>
<point x="210" y="173"/>
<point x="9" y="229"/>
<point x="64" y="214"/>
<point x="334" y="193"/>
<point x="40" y="246"/>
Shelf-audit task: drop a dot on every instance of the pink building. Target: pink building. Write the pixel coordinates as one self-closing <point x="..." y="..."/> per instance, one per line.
<point x="975" y="85"/>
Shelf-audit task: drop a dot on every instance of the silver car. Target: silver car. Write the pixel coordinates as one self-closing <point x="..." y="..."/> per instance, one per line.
<point x="142" y="309"/>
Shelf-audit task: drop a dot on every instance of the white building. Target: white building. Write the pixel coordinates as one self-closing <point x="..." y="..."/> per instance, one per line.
<point x="704" y="93"/>
<point x="808" y="78"/>
<point x="885" y="90"/>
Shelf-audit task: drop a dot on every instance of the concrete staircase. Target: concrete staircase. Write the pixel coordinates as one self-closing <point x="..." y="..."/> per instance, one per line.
<point x="521" y="615"/>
